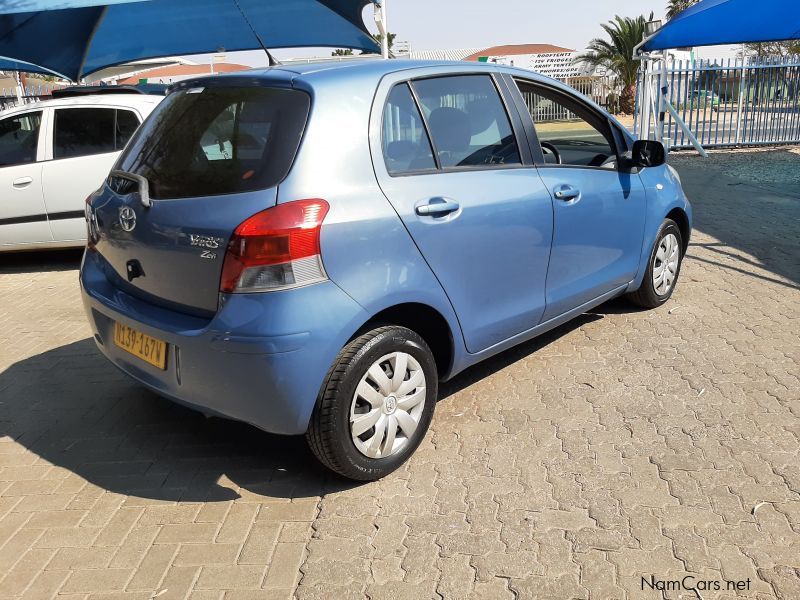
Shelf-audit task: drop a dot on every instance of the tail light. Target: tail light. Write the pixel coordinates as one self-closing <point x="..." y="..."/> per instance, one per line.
<point x="275" y="249"/>
<point x="92" y="229"/>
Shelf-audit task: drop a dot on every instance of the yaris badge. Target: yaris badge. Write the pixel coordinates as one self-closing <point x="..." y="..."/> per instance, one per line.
<point x="127" y="218"/>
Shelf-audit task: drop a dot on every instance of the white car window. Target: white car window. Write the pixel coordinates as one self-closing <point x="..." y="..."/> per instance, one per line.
<point x="19" y="139"/>
<point x="87" y="131"/>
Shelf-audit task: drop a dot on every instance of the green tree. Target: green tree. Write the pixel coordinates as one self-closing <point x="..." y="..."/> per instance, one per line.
<point x="675" y="7"/>
<point x="342" y="52"/>
<point x="616" y="54"/>
<point x="762" y="49"/>
<point x="379" y="38"/>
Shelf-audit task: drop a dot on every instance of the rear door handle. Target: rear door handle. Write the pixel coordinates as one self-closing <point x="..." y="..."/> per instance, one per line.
<point x="566" y="192"/>
<point x="437" y="207"/>
<point x="22" y="182"/>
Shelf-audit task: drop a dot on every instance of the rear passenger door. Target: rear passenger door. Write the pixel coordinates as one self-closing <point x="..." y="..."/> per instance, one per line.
<point x="23" y="218"/>
<point x="452" y="166"/>
<point x="84" y="144"/>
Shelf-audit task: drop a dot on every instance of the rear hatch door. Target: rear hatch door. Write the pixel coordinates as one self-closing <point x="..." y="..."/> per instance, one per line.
<point x="209" y="157"/>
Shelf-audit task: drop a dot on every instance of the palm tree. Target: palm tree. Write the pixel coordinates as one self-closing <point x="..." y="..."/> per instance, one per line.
<point x="617" y="55"/>
<point x="675" y="7"/>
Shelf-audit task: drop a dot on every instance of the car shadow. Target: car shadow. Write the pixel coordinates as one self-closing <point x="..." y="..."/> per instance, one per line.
<point x="755" y="222"/>
<point x="508" y="357"/>
<point x="40" y="261"/>
<point x="74" y="410"/>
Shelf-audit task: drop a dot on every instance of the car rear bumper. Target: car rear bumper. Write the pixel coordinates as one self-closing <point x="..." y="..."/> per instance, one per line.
<point x="261" y="359"/>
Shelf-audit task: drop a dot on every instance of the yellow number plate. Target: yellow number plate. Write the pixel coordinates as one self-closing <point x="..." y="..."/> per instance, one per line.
<point x="148" y="349"/>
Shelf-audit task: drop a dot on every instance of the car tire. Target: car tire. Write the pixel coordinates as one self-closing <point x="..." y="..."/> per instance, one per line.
<point x="662" y="261"/>
<point x="356" y="396"/>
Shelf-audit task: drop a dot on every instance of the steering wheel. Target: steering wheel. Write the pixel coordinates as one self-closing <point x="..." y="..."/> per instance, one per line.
<point x="609" y="163"/>
<point x="548" y="148"/>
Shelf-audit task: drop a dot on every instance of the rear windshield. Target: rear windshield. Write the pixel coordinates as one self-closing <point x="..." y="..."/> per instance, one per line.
<point x="215" y="140"/>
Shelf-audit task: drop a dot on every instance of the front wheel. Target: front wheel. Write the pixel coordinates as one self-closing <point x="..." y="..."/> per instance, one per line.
<point x="376" y="405"/>
<point x="663" y="269"/>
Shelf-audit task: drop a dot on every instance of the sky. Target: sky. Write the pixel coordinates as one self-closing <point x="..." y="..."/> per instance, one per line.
<point x="438" y="24"/>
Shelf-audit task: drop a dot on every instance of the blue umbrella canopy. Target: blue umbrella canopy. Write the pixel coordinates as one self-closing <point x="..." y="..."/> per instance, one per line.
<point x="74" y="38"/>
<point x="713" y="22"/>
<point x="9" y="64"/>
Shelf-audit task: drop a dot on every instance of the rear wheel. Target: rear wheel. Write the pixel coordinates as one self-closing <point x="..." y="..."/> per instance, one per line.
<point x="377" y="404"/>
<point x="663" y="268"/>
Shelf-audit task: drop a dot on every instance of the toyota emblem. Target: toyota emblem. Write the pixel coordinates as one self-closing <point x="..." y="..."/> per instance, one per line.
<point x="127" y="218"/>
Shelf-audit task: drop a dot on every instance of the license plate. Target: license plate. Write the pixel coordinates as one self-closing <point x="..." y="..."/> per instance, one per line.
<point x="143" y="346"/>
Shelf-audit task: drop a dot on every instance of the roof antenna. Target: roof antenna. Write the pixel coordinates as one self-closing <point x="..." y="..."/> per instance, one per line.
<point x="272" y="60"/>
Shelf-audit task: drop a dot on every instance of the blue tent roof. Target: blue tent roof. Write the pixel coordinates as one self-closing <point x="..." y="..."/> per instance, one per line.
<point x="80" y="37"/>
<point x="9" y="64"/>
<point x="713" y="22"/>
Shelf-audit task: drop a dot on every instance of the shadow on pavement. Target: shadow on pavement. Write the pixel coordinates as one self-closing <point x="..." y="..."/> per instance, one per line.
<point x="756" y="212"/>
<point x="40" y="261"/>
<point x="512" y="355"/>
<point x="73" y="409"/>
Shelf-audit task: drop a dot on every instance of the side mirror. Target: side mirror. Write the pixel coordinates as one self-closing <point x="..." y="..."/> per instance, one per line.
<point x="648" y="153"/>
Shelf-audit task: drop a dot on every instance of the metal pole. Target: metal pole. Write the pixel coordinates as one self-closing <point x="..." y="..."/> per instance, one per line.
<point x="385" y="40"/>
<point x="741" y="95"/>
<point x="686" y="129"/>
<point x="20" y="90"/>
<point x="644" y="130"/>
<point x="383" y="27"/>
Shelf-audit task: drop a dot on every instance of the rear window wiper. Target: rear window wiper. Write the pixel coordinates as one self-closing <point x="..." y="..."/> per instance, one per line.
<point x="144" y="185"/>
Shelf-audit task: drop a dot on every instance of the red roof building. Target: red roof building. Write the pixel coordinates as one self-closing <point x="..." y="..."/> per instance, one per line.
<point x="519" y="49"/>
<point x="174" y="73"/>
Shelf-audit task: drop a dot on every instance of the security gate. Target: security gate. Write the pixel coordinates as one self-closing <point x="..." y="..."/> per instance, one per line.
<point x="724" y="103"/>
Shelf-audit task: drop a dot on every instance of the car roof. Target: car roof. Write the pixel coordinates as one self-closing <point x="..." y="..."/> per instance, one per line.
<point x="375" y="67"/>
<point x="135" y="101"/>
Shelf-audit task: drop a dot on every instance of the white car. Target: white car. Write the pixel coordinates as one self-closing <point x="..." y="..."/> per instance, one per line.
<point x="53" y="154"/>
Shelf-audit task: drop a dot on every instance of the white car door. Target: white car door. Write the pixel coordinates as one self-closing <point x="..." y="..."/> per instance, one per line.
<point x="84" y="144"/>
<point x="23" y="218"/>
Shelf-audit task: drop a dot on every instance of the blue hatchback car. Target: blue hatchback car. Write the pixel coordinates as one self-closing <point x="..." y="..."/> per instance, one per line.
<point x="311" y="249"/>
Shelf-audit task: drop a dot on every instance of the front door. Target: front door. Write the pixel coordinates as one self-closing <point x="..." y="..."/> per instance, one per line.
<point x="23" y="218"/>
<point x="481" y="218"/>
<point x="598" y="209"/>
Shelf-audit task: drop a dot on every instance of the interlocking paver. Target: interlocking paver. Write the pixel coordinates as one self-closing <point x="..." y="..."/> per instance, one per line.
<point x="623" y="445"/>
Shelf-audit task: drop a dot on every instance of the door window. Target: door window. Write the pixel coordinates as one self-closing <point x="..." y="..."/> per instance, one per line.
<point x="467" y="121"/>
<point x="406" y="147"/>
<point x="87" y="131"/>
<point x="19" y="139"/>
<point x="570" y="133"/>
<point x="126" y="125"/>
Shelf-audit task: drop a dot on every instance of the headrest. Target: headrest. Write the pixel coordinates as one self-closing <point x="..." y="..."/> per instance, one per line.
<point x="450" y="128"/>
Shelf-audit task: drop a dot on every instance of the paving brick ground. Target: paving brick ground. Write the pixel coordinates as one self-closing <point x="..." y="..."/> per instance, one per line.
<point x="626" y="444"/>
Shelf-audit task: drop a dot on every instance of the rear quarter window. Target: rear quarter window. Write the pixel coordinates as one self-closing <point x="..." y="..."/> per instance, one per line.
<point x="218" y="140"/>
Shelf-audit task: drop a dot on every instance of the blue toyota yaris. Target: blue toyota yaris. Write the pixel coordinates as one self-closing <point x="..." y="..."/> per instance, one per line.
<point x="311" y="249"/>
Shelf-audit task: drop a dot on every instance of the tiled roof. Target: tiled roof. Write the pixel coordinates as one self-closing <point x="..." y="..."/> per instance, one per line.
<point x="183" y="71"/>
<point x="517" y="49"/>
<point x="451" y="54"/>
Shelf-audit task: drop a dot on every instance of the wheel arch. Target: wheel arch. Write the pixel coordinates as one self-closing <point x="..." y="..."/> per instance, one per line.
<point x="680" y="217"/>
<point x="426" y="321"/>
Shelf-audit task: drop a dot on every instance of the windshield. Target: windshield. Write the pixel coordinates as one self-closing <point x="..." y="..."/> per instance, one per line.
<point x="217" y="140"/>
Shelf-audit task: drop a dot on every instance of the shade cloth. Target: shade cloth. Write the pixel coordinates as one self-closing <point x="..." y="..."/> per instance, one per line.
<point x="714" y="22"/>
<point x="81" y="36"/>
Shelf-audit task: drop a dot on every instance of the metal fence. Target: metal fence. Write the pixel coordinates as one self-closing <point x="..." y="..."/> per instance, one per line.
<point x="724" y="103"/>
<point x="604" y="90"/>
<point x="32" y="93"/>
